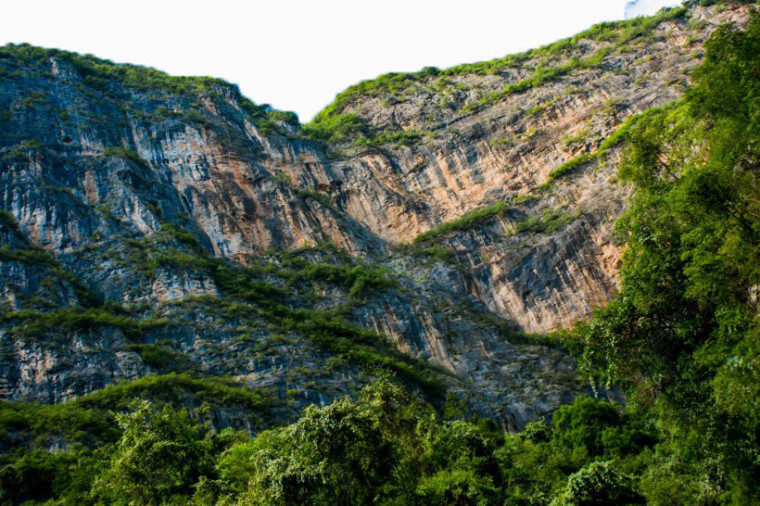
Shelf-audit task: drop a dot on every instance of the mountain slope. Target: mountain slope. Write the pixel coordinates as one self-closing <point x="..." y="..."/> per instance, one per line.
<point x="158" y="225"/>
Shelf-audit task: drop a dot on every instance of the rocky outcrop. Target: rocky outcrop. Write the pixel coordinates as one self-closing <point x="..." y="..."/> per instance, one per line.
<point x="155" y="224"/>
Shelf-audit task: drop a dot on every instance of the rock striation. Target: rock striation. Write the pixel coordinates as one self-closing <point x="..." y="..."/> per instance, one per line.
<point x="155" y="225"/>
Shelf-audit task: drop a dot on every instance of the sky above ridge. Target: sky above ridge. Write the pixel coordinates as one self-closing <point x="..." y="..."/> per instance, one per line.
<point x="297" y="54"/>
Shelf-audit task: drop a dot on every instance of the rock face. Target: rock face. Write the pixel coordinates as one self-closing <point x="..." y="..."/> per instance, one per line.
<point x="154" y="224"/>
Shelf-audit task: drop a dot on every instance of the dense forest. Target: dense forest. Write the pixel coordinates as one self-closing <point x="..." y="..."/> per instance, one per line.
<point x="682" y="338"/>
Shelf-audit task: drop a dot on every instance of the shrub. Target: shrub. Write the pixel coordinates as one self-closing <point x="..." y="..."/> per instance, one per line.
<point x="548" y="222"/>
<point x="160" y="455"/>
<point x="568" y="167"/>
<point x="601" y="484"/>
<point x="464" y="222"/>
<point x="126" y="154"/>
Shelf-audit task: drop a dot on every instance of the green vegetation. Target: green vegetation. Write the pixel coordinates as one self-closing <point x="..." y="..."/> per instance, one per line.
<point x="548" y="222"/>
<point x="356" y="280"/>
<point x="567" y="167"/>
<point x="8" y="220"/>
<point x="682" y="338"/>
<point x="682" y="335"/>
<point x="31" y="255"/>
<point x="705" y="3"/>
<point x="350" y="127"/>
<point x="175" y="388"/>
<point x="92" y="446"/>
<point x="247" y="296"/>
<point x="183" y="236"/>
<point x="540" y="76"/>
<point x="578" y="139"/>
<point x="337" y="127"/>
<point x="267" y="119"/>
<point x="338" y="122"/>
<point x="320" y="197"/>
<point x="127" y="154"/>
<point x="619" y="135"/>
<point x="106" y="77"/>
<point x="162" y="358"/>
<point x="160" y="455"/>
<point x="194" y="116"/>
<point x="435" y="253"/>
<point x="385" y="446"/>
<point x="34" y="255"/>
<point x="522" y="199"/>
<point x="333" y="123"/>
<point x="34" y="323"/>
<point x="464" y="222"/>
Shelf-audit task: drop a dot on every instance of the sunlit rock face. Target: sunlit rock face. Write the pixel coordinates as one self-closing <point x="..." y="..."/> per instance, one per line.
<point x="116" y="189"/>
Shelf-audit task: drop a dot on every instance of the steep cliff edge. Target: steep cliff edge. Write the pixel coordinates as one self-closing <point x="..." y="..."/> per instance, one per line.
<point x="155" y="224"/>
<point x="421" y="150"/>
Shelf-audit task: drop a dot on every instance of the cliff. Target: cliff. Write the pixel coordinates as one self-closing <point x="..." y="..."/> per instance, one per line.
<point x="428" y="225"/>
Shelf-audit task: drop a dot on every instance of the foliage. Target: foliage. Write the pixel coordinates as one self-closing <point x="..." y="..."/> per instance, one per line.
<point x="160" y="455"/>
<point x="106" y="77"/>
<point x="8" y="220"/>
<point x="620" y="134"/>
<point x="681" y="337"/>
<point x="542" y="75"/>
<point x="126" y="154"/>
<point x="386" y="445"/>
<point x="28" y="471"/>
<point x="175" y="388"/>
<point x="350" y="127"/>
<point x="568" y="167"/>
<point x="337" y="127"/>
<point x="435" y="253"/>
<point x="194" y="116"/>
<point x="683" y="333"/>
<point x="548" y="222"/>
<point x="32" y="256"/>
<point x="347" y="452"/>
<point x="464" y="222"/>
<point x="162" y="358"/>
<point x="341" y="120"/>
<point x="246" y="295"/>
<point x="38" y="475"/>
<point x="35" y="323"/>
<point x="58" y="450"/>
<point x="320" y="197"/>
<point x="599" y="484"/>
<point x="357" y="280"/>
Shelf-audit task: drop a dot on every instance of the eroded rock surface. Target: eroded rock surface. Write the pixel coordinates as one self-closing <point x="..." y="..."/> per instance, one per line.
<point x="130" y="205"/>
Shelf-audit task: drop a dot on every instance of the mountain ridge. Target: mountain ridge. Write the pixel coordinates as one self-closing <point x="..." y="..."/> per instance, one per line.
<point x="148" y="182"/>
<point x="201" y="304"/>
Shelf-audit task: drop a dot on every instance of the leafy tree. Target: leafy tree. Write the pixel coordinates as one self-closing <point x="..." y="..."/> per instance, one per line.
<point x="38" y="475"/>
<point x="346" y="453"/>
<point x="683" y="333"/>
<point x="161" y="455"/>
<point x="599" y="484"/>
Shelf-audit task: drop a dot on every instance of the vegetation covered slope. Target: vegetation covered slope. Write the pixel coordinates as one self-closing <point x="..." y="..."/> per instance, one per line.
<point x="155" y="224"/>
<point x="682" y="337"/>
<point x="448" y="96"/>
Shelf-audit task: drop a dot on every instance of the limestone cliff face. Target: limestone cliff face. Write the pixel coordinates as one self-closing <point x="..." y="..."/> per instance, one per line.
<point x="475" y="152"/>
<point x="143" y="156"/>
<point x="154" y="224"/>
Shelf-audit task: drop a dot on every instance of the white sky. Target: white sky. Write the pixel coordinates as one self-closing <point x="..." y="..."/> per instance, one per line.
<point x="297" y="54"/>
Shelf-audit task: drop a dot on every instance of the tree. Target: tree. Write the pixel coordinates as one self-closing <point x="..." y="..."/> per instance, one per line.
<point x="599" y="484"/>
<point x="682" y="335"/>
<point x="160" y="455"/>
